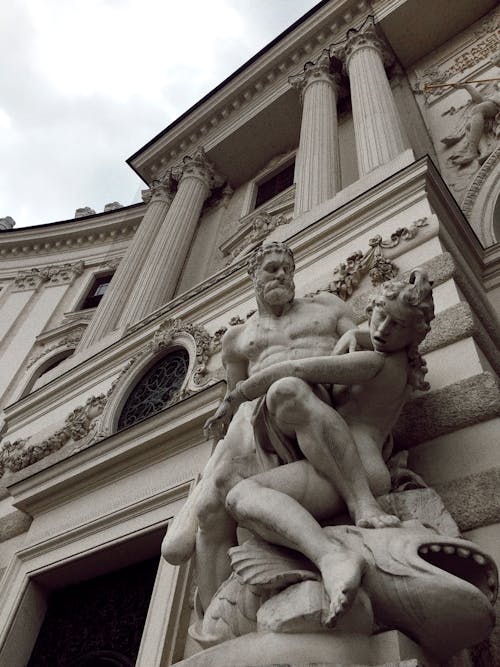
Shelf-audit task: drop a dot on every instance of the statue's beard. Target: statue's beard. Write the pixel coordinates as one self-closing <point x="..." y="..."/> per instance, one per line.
<point x="275" y="293"/>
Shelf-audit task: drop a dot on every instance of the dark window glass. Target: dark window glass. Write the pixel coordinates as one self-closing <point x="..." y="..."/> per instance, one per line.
<point x="155" y="389"/>
<point x="97" y="291"/>
<point x="273" y="186"/>
<point x="97" y="623"/>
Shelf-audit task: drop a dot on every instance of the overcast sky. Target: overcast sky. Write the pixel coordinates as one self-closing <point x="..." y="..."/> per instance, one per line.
<point x="86" y="83"/>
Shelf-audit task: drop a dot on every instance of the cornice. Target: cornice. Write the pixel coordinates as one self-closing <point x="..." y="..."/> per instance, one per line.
<point x="260" y="80"/>
<point x="71" y="235"/>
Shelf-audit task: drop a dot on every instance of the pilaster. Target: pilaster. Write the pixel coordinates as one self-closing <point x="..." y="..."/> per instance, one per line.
<point x="377" y="127"/>
<point x="317" y="170"/>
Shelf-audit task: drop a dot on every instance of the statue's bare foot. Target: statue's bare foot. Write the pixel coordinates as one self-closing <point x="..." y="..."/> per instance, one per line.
<point x="372" y="516"/>
<point x="341" y="572"/>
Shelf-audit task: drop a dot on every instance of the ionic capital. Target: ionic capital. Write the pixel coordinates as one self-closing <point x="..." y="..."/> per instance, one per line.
<point x="199" y="167"/>
<point x="367" y="36"/>
<point x="326" y="68"/>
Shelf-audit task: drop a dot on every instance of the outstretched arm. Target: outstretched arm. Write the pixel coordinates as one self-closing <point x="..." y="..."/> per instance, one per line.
<point x="354" y="368"/>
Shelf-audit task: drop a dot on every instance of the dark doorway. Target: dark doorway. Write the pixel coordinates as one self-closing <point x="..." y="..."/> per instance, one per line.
<point x="97" y="623"/>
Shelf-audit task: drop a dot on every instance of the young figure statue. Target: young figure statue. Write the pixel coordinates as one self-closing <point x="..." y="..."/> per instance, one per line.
<point x="343" y="453"/>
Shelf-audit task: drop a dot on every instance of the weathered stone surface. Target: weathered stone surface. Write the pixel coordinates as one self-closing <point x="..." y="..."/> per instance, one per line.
<point x="309" y="650"/>
<point x="14" y="523"/>
<point x="460" y="404"/>
<point x="473" y="501"/>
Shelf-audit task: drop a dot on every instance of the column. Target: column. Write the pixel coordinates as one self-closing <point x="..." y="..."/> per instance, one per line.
<point x="159" y="197"/>
<point x="157" y="281"/>
<point x="378" y="132"/>
<point x="317" y="168"/>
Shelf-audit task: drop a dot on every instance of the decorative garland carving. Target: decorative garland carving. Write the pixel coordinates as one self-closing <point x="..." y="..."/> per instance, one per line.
<point x="348" y="274"/>
<point x="55" y="274"/>
<point x="79" y="424"/>
<point x="260" y="227"/>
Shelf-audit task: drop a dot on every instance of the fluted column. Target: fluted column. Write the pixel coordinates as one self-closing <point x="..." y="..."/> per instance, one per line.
<point x="159" y="197"/>
<point x="317" y="167"/>
<point x="378" y="131"/>
<point x="157" y="281"/>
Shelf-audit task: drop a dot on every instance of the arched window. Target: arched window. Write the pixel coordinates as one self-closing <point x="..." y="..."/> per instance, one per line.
<point x="51" y="363"/>
<point x="155" y="389"/>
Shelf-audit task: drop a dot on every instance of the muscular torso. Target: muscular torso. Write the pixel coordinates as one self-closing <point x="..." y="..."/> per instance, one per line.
<point x="308" y="329"/>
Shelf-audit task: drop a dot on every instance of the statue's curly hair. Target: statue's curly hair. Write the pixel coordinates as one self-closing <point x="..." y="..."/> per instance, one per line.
<point x="416" y="293"/>
<point x="257" y="257"/>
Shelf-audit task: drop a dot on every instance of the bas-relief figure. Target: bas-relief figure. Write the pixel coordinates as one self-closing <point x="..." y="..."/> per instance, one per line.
<point x="481" y="125"/>
<point x="306" y="426"/>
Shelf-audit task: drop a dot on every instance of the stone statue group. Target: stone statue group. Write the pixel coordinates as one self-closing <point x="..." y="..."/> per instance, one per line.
<point x="304" y="436"/>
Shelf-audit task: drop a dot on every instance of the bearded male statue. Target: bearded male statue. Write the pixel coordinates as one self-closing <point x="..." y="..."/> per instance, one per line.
<point x="293" y="424"/>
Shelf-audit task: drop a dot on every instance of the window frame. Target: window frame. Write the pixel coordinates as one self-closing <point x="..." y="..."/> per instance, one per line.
<point x="264" y="175"/>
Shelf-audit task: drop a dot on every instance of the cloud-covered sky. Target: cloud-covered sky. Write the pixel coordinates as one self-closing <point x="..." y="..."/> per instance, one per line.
<point x="86" y="83"/>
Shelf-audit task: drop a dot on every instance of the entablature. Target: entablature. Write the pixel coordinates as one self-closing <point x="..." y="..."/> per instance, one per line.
<point x="69" y="236"/>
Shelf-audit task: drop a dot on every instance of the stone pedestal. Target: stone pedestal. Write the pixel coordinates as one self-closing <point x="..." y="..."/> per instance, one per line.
<point x="114" y="300"/>
<point x="378" y="133"/>
<point x="156" y="282"/>
<point x="266" y="649"/>
<point x="317" y="169"/>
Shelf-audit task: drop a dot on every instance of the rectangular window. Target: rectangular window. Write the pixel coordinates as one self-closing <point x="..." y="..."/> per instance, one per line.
<point x="274" y="185"/>
<point x="96" y="291"/>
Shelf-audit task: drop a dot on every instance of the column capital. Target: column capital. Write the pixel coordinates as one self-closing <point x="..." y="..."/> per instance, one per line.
<point x="160" y="190"/>
<point x="198" y="166"/>
<point x="359" y="38"/>
<point x="326" y="68"/>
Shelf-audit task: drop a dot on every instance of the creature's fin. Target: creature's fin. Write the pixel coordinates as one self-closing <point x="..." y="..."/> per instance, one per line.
<point x="265" y="566"/>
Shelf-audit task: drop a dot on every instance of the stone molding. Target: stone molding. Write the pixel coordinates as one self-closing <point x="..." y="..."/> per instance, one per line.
<point x="68" y="341"/>
<point x="110" y="264"/>
<point x="54" y="274"/>
<point x="326" y="68"/>
<point x="81" y="233"/>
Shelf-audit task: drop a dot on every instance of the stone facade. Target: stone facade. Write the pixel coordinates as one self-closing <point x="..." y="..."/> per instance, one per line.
<point x="397" y="163"/>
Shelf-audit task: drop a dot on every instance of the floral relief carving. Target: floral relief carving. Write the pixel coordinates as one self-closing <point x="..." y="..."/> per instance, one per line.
<point x="55" y="274"/>
<point x="80" y="423"/>
<point x="347" y="275"/>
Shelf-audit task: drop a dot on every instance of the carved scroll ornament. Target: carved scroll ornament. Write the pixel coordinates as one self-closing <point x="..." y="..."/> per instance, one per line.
<point x="347" y="275"/>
